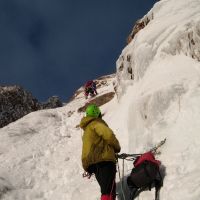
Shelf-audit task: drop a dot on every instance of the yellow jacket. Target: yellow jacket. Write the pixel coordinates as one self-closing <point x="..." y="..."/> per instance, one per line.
<point x="99" y="142"/>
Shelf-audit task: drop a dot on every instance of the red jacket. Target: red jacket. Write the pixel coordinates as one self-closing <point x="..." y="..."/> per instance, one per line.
<point x="89" y="84"/>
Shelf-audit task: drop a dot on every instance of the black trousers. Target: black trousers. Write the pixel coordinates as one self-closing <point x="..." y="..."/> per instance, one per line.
<point x="105" y="174"/>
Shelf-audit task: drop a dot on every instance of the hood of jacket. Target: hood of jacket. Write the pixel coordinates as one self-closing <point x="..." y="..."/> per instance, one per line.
<point x="86" y="120"/>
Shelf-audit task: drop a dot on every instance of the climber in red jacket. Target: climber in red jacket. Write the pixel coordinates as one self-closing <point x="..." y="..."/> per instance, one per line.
<point x="90" y="89"/>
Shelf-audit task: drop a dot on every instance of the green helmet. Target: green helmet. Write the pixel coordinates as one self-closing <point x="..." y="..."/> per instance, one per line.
<point x="93" y="111"/>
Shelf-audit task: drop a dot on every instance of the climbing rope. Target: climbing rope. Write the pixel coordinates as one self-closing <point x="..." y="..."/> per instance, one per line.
<point x="120" y="179"/>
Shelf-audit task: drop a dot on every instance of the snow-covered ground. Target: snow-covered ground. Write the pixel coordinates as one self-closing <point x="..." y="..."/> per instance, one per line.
<point x="40" y="153"/>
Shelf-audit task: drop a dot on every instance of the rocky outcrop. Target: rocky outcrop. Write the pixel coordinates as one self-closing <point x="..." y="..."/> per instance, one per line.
<point x="99" y="101"/>
<point x="15" y="102"/>
<point x="140" y="24"/>
<point x="52" y="102"/>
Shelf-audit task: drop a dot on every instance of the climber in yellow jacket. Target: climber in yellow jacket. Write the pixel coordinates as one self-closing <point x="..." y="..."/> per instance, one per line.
<point x="98" y="151"/>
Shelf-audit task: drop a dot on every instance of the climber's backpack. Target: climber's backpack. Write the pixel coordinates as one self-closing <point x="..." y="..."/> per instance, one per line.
<point x="145" y="173"/>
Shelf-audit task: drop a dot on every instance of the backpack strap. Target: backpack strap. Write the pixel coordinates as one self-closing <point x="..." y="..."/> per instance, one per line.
<point x="158" y="185"/>
<point x="157" y="192"/>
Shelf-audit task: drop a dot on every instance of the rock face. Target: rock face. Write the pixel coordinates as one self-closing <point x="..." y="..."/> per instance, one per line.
<point x="52" y="102"/>
<point x="140" y="24"/>
<point x="99" y="101"/>
<point x="15" y="102"/>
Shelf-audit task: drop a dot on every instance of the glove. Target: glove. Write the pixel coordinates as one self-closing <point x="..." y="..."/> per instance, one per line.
<point x="87" y="174"/>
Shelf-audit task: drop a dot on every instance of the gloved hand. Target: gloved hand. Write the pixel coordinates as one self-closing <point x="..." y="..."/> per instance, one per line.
<point x="87" y="174"/>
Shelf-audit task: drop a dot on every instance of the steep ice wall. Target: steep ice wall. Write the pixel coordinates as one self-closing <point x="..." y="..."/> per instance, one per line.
<point x="174" y="29"/>
<point x="161" y="64"/>
<point x="158" y="81"/>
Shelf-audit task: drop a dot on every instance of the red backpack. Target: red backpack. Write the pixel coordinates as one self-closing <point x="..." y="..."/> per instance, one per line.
<point x="145" y="171"/>
<point x="146" y="156"/>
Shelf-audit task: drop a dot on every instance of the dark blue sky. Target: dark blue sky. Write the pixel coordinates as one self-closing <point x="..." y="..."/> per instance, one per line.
<point x="52" y="47"/>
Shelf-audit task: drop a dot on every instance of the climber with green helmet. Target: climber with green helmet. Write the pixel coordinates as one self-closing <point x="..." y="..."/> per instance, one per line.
<point x="98" y="151"/>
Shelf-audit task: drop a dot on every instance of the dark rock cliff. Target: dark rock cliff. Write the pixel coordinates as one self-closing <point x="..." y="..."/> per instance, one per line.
<point x="15" y="102"/>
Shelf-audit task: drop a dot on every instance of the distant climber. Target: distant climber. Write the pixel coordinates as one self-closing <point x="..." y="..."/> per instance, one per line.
<point x="98" y="151"/>
<point x="90" y="89"/>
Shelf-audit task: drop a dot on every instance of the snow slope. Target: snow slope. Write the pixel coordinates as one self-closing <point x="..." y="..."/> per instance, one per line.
<point x="40" y="153"/>
<point x="163" y="99"/>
